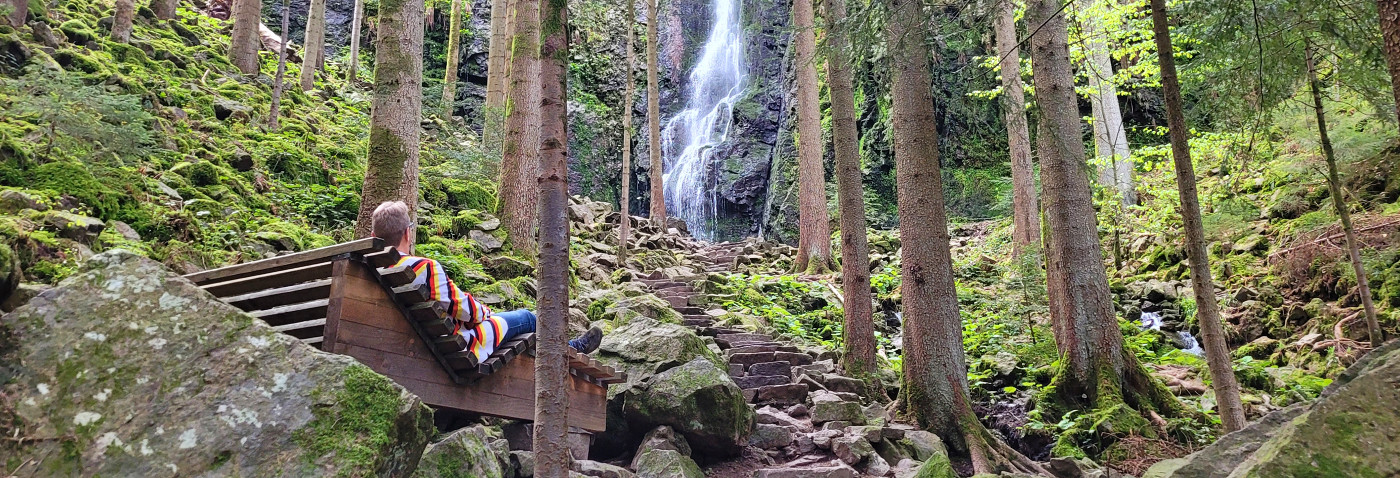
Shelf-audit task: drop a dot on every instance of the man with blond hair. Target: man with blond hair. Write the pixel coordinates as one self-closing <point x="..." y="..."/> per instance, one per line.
<point x="473" y="320"/>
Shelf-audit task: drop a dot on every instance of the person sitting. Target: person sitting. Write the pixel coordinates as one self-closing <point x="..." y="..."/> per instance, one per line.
<point x="483" y="329"/>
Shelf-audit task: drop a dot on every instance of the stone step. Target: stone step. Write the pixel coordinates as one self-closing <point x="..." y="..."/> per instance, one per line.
<point x="668" y="293"/>
<point x="743" y="337"/>
<point x="783" y="369"/>
<point x="813" y="472"/>
<point x="790" y="394"/>
<point x="698" y="316"/>
<point x="714" y="331"/>
<point x="782" y="347"/>
<point x="796" y="358"/>
<point x="664" y="284"/>
<point x="748" y="382"/>
<point x="697" y="322"/>
<point x="677" y="301"/>
<point x="752" y="358"/>
<point x="752" y="349"/>
<point x="689" y="310"/>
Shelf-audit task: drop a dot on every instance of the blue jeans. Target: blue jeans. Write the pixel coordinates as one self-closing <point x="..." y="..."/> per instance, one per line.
<point x="519" y="321"/>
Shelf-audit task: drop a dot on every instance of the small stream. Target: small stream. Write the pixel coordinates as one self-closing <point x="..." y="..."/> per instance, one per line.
<point x="1153" y="320"/>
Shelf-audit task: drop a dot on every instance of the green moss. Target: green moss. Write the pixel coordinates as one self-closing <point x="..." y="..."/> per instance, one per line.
<point x="77" y="31"/>
<point x="357" y="427"/>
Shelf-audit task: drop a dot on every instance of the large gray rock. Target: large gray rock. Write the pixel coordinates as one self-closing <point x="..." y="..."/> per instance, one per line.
<point x="128" y="370"/>
<point x="1349" y="431"/>
<point x="667" y="464"/>
<point x="472" y="452"/>
<point x="697" y="399"/>
<point x="662" y="438"/>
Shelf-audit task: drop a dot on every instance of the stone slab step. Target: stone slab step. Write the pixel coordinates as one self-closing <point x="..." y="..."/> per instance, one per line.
<point x="781" y="346"/>
<point x="742" y="337"/>
<point x="783" y="369"/>
<point x="790" y="394"/>
<point x="676" y="301"/>
<point x="714" y="331"/>
<point x="752" y="348"/>
<point x="688" y="310"/>
<point x="697" y="322"/>
<point x="665" y="284"/>
<point x="796" y="358"/>
<point x="752" y="358"/>
<point x="758" y="381"/>
<point x="814" y="472"/>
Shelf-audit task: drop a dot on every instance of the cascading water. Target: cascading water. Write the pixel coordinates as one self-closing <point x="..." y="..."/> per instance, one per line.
<point x="689" y="139"/>
<point x="1153" y="320"/>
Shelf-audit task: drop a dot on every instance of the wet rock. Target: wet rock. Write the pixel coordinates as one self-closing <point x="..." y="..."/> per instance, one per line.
<point x="699" y="401"/>
<point x="471" y="451"/>
<point x="147" y="375"/>
<point x="667" y="464"/>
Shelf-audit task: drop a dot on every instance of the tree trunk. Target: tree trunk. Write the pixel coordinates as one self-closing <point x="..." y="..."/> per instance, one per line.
<point x="552" y="459"/>
<point x="394" y="120"/>
<point x="315" y="44"/>
<point x="19" y="10"/>
<point x="274" y="117"/>
<point x="814" y="225"/>
<point x="858" y="358"/>
<point x="1025" y="222"/>
<point x="1110" y="139"/>
<point x="498" y="64"/>
<point x="658" y="199"/>
<point x="165" y="9"/>
<point x="1390" y="34"/>
<point x="353" y="71"/>
<point x="454" y="41"/>
<point x="624" y="231"/>
<point x="245" y="41"/>
<point x="520" y="164"/>
<point x="1222" y="373"/>
<point x="125" y="12"/>
<point x="1334" y="185"/>
<point x="1095" y="367"/>
<point x="935" y="389"/>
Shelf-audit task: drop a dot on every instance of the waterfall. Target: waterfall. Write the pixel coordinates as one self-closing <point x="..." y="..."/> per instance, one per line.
<point x="1153" y="320"/>
<point x="688" y="142"/>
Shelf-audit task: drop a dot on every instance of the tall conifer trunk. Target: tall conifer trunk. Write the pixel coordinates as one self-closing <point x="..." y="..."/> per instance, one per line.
<point x="624" y="231"/>
<point x="279" y="83"/>
<point x="1025" y="221"/>
<point x="520" y="164"/>
<point x="315" y="44"/>
<point x="124" y="14"/>
<point x="814" y="225"/>
<point x="355" y="21"/>
<point x="1110" y="139"/>
<point x="498" y="64"/>
<point x="858" y="358"/>
<point x="935" y="388"/>
<point x="552" y="459"/>
<point x="165" y="9"/>
<point x="1334" y="185"/>
<point x="1390" y="35"/>
<point x="1222" y="373"/>
<point x="454" y="42"/>
<point x="658" y="198"/>
<point x="394" y="120"/>
<point x="245" y="39"/>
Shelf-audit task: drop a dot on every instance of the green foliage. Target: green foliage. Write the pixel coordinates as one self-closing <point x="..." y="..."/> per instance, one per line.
<point x="77" y="120"/>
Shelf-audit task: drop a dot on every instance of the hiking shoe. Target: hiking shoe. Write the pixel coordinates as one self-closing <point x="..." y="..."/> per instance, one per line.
<point x="589" y="341"/>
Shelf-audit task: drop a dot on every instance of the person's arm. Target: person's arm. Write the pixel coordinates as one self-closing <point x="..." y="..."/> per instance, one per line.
<point x="461" y="306"/>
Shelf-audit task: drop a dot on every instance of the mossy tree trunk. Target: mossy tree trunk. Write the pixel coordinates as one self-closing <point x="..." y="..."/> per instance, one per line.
<point x="1222" y="373"/>
<point x="814" y="225"/>
<point x="123" y="14"/>
<point x="935" y="388"/>
<point x="355" y="21"/>
<point x="1025" y="221"/>
<point x="315" y="44"/>
<point x="658" y="198"/>
<point x="1334" y="185"/>
<point x="520" y="164"/>
<point x="245" y="40"/>
<point x="392" y="170"/>
<point x="858" y="358"/>
<point x="552" y="458"/>
<point x="624" y="231"/>
<point x="165" y="9"/>
<point x="1096" y="371"/>
<point x="498" y="64"/>
<point x="274" y="117"/>
<point x="1390" y="34"/>
<point x="454" y="42"/>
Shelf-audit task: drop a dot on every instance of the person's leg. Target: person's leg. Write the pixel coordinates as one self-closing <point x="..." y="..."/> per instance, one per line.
<point x="520" y="321"/>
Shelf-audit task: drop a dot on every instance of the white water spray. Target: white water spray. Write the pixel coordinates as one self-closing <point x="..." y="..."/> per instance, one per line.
<point x="689" y="139"/>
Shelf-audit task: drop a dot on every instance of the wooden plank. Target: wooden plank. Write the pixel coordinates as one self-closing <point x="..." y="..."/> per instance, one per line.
<point x="287" y="262"/>
<point x="383" y="294"/>
<point x="281" y="278"/>
<point x="436" y="327"/>
<point x="412" y="293"/>
<point x="462" y="360"/>
<point x="335" y="302"/>
<point x="427" y="310"/>
<point x="398" y="276"/>
<point x="446" y="344"/>
<point x="384" y="258"/>
<point x="280" y="296"/>
<point x="304" y="330"/>
<point x="288" y="314"/>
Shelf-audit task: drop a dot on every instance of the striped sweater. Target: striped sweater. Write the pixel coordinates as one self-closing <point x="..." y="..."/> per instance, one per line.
<point x="471" y="319"/>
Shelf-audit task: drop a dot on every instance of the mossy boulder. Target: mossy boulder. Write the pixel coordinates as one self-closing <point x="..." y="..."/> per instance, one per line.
<point x="667" y="464"/>
<point x="620" y="307"/>
<point x="699" y="401"/>
<point x="472" y="452"/>
<point x="126" y="369"/>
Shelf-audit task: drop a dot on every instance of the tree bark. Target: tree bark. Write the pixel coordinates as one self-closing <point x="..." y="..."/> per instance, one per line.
<point x="498" y="64"/>
<point x="552" y="458"/>
<point x="859" y="355"/>
<point x="274" y="117"/>
<point x="1390" y="34"/>
<point x="454" y="41"/>
<point x="1095" y="368"/>
<point x="245" y="41"/>
<point x="814" y="225"/>
<point x="935" y="389"/>
<point x="353" y="72"/>
<point x="658" y="198"/>
<point x="520" y="164"/>
<point x="395" y="111"/>
<point x="124" y="13"/>
<point x="1334" y="185"/>
<point x="1025" y="221"/>
<point x="1110" y="139"/>
<point x="1222" y="373"/>
<point x="624" y="231"/>
<point x="315" y="44"/>
<point x="165" y="9"/>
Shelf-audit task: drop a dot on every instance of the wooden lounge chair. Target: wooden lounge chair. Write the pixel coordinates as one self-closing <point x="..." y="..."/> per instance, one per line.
<point x="350" y="299"/>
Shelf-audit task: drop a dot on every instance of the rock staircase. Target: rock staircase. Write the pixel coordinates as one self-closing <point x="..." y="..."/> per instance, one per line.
<point x="811" y="421"/>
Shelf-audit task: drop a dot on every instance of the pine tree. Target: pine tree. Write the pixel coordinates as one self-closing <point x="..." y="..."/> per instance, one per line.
<point x="498" y="64"/>
<point x="274" y="117"/>
<point x="1110" y="139"/>
<point x="520" y="164"/>
<point x="352" y="73"/>
<point x="245" y="40"/>
<point x="315" y="44"/>
<point x="624" y="232"/>
<point x="658" y="198"/>
<point x="1025" y="231"/>
<point x="935" y="388"/>
<point x="814" y="225"/>
<point x="454" y="41"/>
<point x="391" y="174"/>
<point x="552" y="458"/>
<point x="1390" y="34"/>
<point x="1227" y="389"/>
<point x="124" y="14"/>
